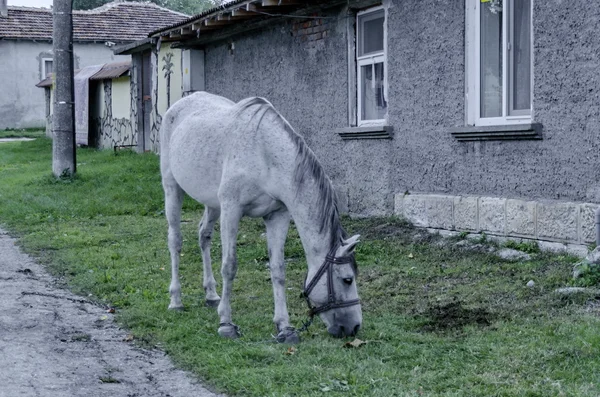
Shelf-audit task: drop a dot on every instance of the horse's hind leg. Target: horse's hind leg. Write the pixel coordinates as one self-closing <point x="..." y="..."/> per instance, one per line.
<point x="230" y="219"/>
<point x="277" y="224"/>
<point x="211" y="215"/>
<point x="173" y="202"/>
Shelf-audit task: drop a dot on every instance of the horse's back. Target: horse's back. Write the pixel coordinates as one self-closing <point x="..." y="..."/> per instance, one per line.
<point x="193" y="141"/>
<point x="214" y="146"/>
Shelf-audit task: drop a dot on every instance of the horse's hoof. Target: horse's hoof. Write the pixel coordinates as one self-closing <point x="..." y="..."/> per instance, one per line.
<point x="212" y="302"/>
<point x="229" y="330"/>
<point x="176" y="308"/>
<point x="288" y="335"/>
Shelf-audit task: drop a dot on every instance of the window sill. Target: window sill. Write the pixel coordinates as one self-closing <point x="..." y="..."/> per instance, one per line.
<point x="498" y="133"/>
<point x="367" y="132"/>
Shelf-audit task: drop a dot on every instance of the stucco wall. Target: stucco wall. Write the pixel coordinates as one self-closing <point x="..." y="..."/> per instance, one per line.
<point x="114" y="125"/>
<point x="169" y="77"/>
<point x="306" y="79"/>
<point x="121" y="102"/>
<point x="167" y="87"/>
<point x="22" y="104"/>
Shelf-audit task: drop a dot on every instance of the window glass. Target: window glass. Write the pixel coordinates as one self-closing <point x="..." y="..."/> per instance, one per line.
<point x="521" y="56"/>
<point x="374" y="105"/>
<point x="491" y="59"/>
<point x="47" y="67"/>
<point x="371" y="33"/>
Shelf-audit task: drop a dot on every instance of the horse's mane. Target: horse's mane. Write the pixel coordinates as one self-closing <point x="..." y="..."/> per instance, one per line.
<point x="307" y="166"/>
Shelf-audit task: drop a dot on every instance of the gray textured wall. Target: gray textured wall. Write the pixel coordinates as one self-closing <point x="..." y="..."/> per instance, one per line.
<point x="22" y="104"/>
<point x="306" y="79"/>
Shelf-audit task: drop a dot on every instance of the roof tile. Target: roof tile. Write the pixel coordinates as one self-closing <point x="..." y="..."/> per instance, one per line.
<point x="119" y="22"/>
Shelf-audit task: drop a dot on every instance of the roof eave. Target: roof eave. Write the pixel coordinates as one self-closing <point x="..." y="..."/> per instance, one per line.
<point x="234" y="14"/>
<point x="136" y="46"/>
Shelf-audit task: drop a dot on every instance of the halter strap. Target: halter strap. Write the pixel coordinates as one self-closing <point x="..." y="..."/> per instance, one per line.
<point x="327" y="266"/>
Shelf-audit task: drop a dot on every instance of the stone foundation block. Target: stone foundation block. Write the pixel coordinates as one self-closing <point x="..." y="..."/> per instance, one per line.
<point x="520" y="218"/>
<point x="427" y="210"/>
<point x="553" y="222"/>
<point x="492" y="216"/>
<point x="587" y="223"/>
<point x="466" y="214"/>
<point x="557" y="221"/>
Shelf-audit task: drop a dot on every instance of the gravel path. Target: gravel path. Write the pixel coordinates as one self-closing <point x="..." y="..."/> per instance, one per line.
<point x="56" y="344"/>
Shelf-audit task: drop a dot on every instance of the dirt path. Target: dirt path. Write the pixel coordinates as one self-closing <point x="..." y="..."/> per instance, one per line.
<point x="56" y="344"/>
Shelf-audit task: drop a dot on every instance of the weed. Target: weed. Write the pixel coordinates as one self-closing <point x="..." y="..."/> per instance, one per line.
<point x="483" y="238"/>
<point x="530" y="247"/>
<point x="589" y="275"/>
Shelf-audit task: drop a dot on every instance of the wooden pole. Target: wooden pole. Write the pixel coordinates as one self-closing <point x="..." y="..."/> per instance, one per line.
<point x="63" y="119"/>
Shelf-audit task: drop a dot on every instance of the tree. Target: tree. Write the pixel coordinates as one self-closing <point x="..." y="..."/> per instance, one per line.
<point x="63" y="119"/>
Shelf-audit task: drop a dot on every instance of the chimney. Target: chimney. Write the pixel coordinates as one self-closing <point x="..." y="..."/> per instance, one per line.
<point x="3" y="8"/>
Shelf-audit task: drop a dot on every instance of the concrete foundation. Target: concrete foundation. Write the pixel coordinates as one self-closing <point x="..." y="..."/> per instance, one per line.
<point x="545" y="221"/>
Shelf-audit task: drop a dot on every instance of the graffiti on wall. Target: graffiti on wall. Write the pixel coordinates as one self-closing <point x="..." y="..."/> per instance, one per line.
<point x="168" y="68"/>
<point x="155" y="116"/>
<point x="111" y="132"/>
<point x="134" y="98"/>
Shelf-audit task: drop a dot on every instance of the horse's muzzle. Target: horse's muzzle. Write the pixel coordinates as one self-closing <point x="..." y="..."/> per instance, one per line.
<point x="339" y="331"/>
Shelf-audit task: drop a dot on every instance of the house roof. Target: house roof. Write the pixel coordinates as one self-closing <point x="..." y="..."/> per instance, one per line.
<point x="109" y="71"/>
<point x="47" y="82"/>
<point x="233" y="13"/>
<point x="119" y="22"/>
<point x="112" y="71"/>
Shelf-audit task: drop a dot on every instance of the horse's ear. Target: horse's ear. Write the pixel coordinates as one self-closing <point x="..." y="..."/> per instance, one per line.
<point x="348" y="246"/>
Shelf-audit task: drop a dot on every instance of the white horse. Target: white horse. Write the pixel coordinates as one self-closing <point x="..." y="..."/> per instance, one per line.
<point x="245" y="159"/>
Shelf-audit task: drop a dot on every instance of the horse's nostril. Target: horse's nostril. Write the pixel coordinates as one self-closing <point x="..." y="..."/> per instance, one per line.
<point x="356" y="330"/>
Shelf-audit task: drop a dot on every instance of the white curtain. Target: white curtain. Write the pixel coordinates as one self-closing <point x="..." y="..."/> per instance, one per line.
<point x="374" y="104"/>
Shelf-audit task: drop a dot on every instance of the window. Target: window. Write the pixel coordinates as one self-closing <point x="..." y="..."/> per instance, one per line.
<point x="370" y="67"/>
<point x="46" y="67"/>
<point x="499" y="62"/>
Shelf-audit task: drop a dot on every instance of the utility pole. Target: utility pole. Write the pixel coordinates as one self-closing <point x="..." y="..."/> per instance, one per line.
<point x="63" y="119"/>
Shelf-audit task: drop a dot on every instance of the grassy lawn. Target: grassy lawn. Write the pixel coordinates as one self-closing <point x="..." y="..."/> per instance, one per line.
<point x="439" y="319"/>
<point x="22" y="133"/>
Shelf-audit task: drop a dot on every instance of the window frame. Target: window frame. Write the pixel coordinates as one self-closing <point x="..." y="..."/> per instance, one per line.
<point x="369" y="59"/>
<point x="473" y="68"/>
<point x="44" y="70"/>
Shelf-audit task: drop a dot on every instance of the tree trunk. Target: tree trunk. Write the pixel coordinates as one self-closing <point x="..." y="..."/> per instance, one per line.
<point x="63" y="119"/>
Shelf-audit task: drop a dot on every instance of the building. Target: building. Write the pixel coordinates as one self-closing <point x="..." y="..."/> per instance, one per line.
<point x="470" y="115"/>
<point x="26" y="49"/>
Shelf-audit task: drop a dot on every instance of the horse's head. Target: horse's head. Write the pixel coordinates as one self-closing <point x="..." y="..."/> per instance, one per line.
<point x="332" y="292"/>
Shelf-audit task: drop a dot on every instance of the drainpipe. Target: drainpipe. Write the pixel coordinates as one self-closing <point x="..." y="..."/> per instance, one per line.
<point x="598" y="227"/>
<point x="3" y="8"/>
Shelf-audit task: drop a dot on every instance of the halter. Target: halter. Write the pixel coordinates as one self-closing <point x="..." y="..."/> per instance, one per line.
<point x="327" y="266"/>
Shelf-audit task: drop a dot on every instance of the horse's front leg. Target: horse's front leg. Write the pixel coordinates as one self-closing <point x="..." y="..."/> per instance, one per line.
<point x="230" y="219"/>
<point x="277" y="224"/>
<point x="173" y="202"/>
<point x="204" y="236"/>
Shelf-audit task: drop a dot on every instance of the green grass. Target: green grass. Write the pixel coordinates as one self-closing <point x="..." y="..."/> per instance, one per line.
<point x="22" y="133"/>
<point x="439" y="320"/>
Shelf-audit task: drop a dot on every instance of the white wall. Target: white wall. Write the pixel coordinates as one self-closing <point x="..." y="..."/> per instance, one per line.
<point x="21" y="102"/>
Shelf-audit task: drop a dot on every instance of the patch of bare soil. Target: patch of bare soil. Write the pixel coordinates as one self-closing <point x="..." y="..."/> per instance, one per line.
<point x="398" y="229"/>
<point x="453" y="316"/>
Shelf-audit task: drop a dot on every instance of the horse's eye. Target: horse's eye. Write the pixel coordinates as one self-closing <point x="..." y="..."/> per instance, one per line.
<point x="348" y="280"/>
